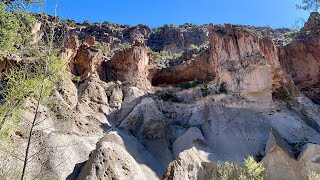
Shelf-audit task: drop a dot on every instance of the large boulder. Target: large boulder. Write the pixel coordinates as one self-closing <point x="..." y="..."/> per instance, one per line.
<point x="188" y="166"/>
<point x="119" y="156"/>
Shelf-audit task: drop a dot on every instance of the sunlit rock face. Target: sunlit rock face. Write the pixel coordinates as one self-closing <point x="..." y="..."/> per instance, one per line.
<point x="121" y="116"/>
<point x="85" y="59"/>
<point x="131" y="65"/>
<point x="238" y="58"/>
<point x="301" y="59"/>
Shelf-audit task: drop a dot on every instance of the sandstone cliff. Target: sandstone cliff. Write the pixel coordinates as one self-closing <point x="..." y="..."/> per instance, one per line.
<point x="127" y="117"/>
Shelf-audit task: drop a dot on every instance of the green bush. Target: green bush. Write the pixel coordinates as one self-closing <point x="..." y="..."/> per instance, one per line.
<point x="229" y="171"/>
<point x="253" y="170"/>
<point x="126" y="45"/>
<point x="25" y="81"/>
<point x="69" y="23"/>
<point x="313" y="176"/>
<point x="250" y="170"/>
<point x="77" y="80"/>
<point x="103" y="48"/>
<point x="15" y="29"/>
<point x="205" y="91"/>
<point x="160" y="57"/>
<point x="192" y="46"/>
<point x="106" y="23"/>
<point x="155" y="56"/>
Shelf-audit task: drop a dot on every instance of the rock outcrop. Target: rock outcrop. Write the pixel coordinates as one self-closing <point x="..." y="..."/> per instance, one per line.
<point x="201" y="68"/>
<point x="131" y="65"/>
<point x="238" y="58"/>
<point x="177" y="39"/>
<point x="84" y="60"/>
<point x="281" y="164"/>
<point x="279" y="161"/>
<point x="312" y="23"/>
<point x="139" y="32"/>
<point x="112" y="160"/>
<point x="309" y="159"/>
<point x="300" y="59"/>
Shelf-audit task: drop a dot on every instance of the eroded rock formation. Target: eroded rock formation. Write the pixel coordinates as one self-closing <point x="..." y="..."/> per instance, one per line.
<point x="131" y="65"/>
<point x="177" y="39"/>
<point x="84" y="60"/>
<point x="300" y="59"/>
<point x="237" y="57"/>
<point x="127" y="118"/>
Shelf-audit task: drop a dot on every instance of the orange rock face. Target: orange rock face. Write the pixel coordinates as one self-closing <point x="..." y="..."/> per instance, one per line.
<point x="312" y="23"/>
<point x="238" y="57"/>
<point x="84" y="60"/>
<point x="282" y="83"/>
<point x="301" y="59"/>
<point x="131" y="65"/>
<point x="201" y="68"/>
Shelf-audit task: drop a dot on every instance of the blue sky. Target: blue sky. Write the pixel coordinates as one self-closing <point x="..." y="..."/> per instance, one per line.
<point x="275" y="13"/>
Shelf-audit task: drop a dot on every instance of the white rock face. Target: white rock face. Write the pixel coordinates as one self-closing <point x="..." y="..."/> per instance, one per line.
<point x="188" y="166"/>
<point x="192" y="138"/>
<point x="112" y="161"/>
<point x="279" y="162"/>
<point x="309" y="159"/>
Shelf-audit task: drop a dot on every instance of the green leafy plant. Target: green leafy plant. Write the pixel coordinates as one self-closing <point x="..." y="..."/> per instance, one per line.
<point x="250" y="170"/>
<point x="205" y="91"/>
<point x="311" y="5"/>
<point x="14" y="30"/>
<point x="229" y="171"/>
<point x="192" y="46"/>
<point x="103" y="48"/>
<point x="160" y="57"/>
<point x="126" y="45"/>
<point x="253" y="170"/>
<point x="106" y="23"/>
<point x="69" y="23"/>
<point x="155" y="56"/>
<point x="313" y="176"/>
<point x="77" y="80"/>
<point x="25" y="81"/>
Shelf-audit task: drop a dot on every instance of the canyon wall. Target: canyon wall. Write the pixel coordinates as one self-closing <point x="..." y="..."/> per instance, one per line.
<point x="121" y="115"/>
